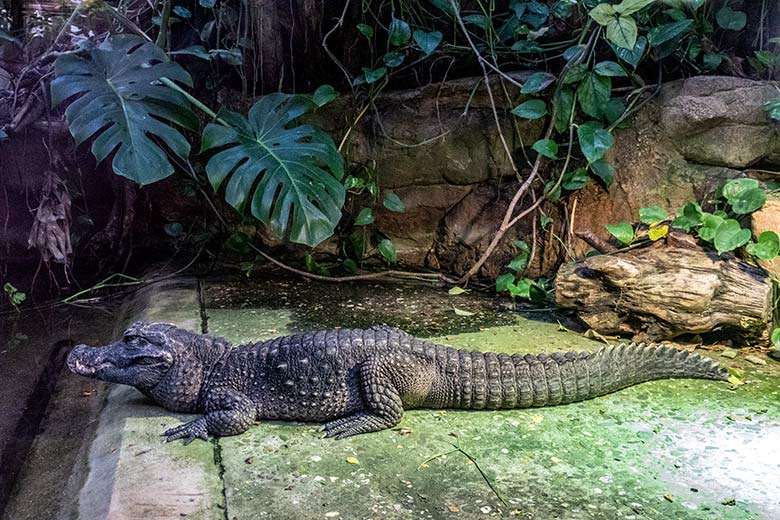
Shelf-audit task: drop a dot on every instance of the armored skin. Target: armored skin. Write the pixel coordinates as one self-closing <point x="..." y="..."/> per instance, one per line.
<point x="358" y="380"/>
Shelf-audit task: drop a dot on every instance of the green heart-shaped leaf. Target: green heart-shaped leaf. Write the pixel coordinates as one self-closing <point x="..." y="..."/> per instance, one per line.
<point x="689" y="216"/>
<point x="394" y="203"/>
<point x="623" y="231"/>
<point x="594" y="140"/>
<point x="732" y="188"/>
<point x="427" y="41"/>
<point x="400" y="32"/>
<point x="365" y="217"/>
<point x="604" y="170"/>
<point x="767" y="247"/>
<point x="547" y="148"/>
<point x="730" y="19"/>
<point x="537" y="82"/>
<point x="652" y="215"/>
<point x="593" y="93"/>
<point x="622" y="31"/>
<point x="531" y="109"/>
<point x="730" y="235"/>
<point x="387" y="250"/>
<point x="748" y="201"/>
<point x="503" y="282"/>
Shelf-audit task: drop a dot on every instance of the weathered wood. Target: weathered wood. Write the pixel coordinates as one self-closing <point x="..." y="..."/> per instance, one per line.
<point x="667" y="289"/>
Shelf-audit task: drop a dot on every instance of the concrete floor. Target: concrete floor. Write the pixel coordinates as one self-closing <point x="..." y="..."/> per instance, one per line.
<point x="665" y="449"/>
<point x="33" y="345"/>
<point x="686" y="449"/>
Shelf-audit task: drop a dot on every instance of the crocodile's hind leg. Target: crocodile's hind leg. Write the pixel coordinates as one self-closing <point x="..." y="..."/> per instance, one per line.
<point x="383" y="405"/>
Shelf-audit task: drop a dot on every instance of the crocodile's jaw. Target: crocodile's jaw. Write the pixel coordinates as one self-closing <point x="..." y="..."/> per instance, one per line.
<point x="139" y="366"/>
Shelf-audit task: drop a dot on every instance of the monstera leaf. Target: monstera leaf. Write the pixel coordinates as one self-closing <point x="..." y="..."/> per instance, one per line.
<point x="291" y="173"/>
<point x="122" y="104"/>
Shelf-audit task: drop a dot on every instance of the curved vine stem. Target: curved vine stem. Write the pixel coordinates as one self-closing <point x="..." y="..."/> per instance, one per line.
<point x="330" y="54"/>
<point x="380" y="275"/>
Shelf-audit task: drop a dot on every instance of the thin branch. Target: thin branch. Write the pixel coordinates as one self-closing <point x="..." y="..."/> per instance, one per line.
<point x="131" y="281"/>
<point x="354" y="124"/>
<point x="538" y="202"/>
<point x="458" y="449"/>
<point x="482" y="61"/>
<point x="396" y="142"/>
<point x="381" y="275"/>
<point x="570" y="228"/>
<point x="534" y="244"/>
<point x="429" y="459"/>
<point x="484" y="476"/>
<point x="509" y="221"/>
<point x="631" y="110"/>
<point x="124" y="20"/>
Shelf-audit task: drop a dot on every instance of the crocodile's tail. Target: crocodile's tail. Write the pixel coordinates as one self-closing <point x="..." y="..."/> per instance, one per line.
<point x="488" y="380"/>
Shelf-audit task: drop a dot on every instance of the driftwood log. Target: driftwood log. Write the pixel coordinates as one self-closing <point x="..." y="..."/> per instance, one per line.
<point x="669" y="288"/>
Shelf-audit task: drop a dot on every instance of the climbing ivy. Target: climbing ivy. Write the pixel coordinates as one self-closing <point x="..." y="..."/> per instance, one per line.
<point x="720" y="229"/>
<point x="602" y="81"/>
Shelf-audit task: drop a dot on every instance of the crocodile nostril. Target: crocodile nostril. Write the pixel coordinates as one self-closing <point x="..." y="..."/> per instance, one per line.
<point x="74" y="362"/>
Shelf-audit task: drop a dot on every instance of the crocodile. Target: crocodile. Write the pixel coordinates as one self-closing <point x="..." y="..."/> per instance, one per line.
<point x="358" y="380"/>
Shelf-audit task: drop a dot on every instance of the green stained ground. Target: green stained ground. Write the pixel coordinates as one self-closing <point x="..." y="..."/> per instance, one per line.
<point x="665" y="449"/>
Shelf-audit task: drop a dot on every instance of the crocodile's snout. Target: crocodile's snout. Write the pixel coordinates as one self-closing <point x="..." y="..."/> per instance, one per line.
<point x="81" y="361"/>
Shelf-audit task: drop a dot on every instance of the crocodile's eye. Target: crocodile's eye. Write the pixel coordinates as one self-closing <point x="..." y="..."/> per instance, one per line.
<point x="133" y="341"/>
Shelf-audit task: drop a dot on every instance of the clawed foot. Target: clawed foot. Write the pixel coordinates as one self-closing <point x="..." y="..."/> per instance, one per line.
<point x="337" y="428"/>
<point x="188" y="431"/>
<point x="358" y="423"/>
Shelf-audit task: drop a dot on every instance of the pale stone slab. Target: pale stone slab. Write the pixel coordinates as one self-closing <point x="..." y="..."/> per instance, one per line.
<point x="132" y="474"/>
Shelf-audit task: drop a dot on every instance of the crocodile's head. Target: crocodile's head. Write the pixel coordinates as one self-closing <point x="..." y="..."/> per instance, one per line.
<point x="166" y="363"/>
<point x="143" y="356"/>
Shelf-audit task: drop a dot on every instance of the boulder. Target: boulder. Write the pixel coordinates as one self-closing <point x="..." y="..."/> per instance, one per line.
<point x="438" y="149"/>
<point x="438" y="134"/>
<point x="648" y="172"/>
<point x="415" y="231"/>
<point x="470" y="225"/>
<point x="720" y="121"/>
<point x="680" y="148"/>
<point x="768" y="219"/>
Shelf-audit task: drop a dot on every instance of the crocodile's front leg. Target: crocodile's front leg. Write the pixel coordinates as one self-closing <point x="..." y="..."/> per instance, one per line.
<point x="228" y="412"/>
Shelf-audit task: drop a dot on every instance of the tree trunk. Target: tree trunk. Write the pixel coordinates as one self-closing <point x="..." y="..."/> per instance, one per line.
<point x="287" y="52"/>
<point x="16" y="13"/>
<point x="670" y="288"/>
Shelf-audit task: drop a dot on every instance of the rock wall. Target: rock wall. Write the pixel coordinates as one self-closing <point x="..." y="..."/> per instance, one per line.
<point x="681" y="147"/>
<point x="438" y="149"/>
